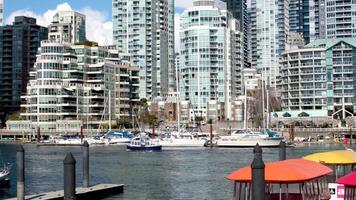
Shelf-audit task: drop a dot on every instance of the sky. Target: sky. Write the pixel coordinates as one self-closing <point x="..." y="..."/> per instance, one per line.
<point x="98" y="14"/>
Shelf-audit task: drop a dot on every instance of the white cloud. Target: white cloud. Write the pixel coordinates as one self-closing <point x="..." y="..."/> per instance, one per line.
<point x="183" y="3"/>
<point x="176" y="31"/>
<point x="98" y="27"/>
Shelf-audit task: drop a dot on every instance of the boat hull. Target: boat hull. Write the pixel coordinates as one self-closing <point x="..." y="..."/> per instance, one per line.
<point x="270" y="142"/>
<point x="144" y="148"/>
<point x="182" y="143"/>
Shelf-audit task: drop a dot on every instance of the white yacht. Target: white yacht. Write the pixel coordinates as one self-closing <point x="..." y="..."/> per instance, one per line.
<point x="184" y="139"/>
<point x="4" y="172"/>
<point x="244" y="138"/>
<point x="117" y="137"/>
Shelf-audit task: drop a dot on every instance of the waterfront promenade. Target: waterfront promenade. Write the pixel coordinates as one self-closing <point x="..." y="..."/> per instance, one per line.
<point x="218" y="129"/>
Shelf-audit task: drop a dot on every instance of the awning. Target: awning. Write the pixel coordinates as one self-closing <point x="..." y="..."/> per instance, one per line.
<point x="339" y="157"/>
<point x="287" y="171"/>
<point x="348" y="180"/>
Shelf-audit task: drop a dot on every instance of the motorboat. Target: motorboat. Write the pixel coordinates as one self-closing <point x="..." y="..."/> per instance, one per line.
<point x="71" y="140"/>
<point x="183" y="139"/>
<point x="144" y="143"/>
<point x="4" y="172"/>
<point x="117" y="137"/>
<point x="246" y="138"/>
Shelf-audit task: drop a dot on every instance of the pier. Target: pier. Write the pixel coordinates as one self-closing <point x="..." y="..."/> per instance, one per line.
<point x="70" y="191"/>
<point x="93" y="192"/>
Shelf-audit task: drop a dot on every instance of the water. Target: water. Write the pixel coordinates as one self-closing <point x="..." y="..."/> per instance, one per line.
<point x="170" y="174"/>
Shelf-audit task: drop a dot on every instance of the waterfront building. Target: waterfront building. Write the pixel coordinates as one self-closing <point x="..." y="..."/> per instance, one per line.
<point x="1" y="12"/>
<point x="269" y="37"/>
<point x="18" y="49"/>
<point x="145" y="29"/>
<point x="211" y="56"/>
<point x="239" y="11"/>
<point x="318" y="80"/>
<point x="84" y="82"/>
<point x="307" y="17"/>
<point x="67" y="26"/>
<point x="340" y="18"/>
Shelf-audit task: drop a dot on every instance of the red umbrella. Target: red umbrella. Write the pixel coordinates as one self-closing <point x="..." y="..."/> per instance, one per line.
<point x="348" y="180"/>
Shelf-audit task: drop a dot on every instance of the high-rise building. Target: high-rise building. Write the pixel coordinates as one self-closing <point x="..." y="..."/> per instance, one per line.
<point x="340" y="18"/>
<point x="18" y="48"/>
<point x="239" y="11"/>
<point x="145" y="29"/>
<point x="318" y="80"/>
<point x="67" y="26"/>
<point x="1" y="12"/>
<point x="85" y="83"/>
<point x="269" y="37"/>
<point x="211" y="57"/>
<point x="307" y="17"/>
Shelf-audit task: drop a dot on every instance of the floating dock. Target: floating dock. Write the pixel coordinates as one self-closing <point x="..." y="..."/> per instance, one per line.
<point x="94" y="192"/>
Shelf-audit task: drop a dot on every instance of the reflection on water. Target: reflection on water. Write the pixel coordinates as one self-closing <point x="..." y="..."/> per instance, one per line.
<point x="170" y="174"/>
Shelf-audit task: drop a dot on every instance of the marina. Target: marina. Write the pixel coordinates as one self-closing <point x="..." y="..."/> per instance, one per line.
<point x="172" y="174"/>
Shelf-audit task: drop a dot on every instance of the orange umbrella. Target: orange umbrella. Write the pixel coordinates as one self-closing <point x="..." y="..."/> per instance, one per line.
<point x="287" y="171"/>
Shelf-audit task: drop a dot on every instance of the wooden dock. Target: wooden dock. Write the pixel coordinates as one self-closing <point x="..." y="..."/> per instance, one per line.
<point x="94" y="192"/>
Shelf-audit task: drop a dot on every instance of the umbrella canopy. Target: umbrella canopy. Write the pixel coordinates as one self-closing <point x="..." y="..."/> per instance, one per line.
<point x="287" y="171"/>
<point x="348" y="180"/>
<point x="340" y="157"/>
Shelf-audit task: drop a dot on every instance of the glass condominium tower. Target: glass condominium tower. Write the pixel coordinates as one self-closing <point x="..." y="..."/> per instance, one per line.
<point x="269" y="37"/>
<point x="211" y="56"/>
<point x="145" y="29"/>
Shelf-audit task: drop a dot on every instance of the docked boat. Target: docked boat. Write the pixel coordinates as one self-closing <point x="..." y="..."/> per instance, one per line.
<point x="245" y="138"/>
<point x="144" y="143"/>
<point x="4" y="172"/>
<point x="117" y="137"/>
<point x="184" y="139"/>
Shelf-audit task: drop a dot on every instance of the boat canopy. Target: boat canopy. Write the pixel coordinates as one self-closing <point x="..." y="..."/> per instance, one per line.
<point x="284" y="172"/>
<point x="348" y="180"/>
<point x="339" y="157"/>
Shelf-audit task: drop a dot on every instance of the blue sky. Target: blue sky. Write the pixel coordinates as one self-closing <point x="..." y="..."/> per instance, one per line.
<point x="41" y="6"/>
<point x="98" y="14"/>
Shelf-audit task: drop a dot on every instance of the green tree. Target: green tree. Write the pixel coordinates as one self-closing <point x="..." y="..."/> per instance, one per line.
<point x="124" y="122"/>
<point x="14" y="116"/>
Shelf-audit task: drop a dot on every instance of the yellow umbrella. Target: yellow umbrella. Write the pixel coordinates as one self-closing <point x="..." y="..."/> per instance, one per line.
<point x="340" y="157"/>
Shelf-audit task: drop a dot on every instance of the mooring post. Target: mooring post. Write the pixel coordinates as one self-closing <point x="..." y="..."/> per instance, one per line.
<point x="85" y="164"/>
<point x="38" y="135"/>
<point x="258" y="175"/>
<point x="20" y="167"/>
<point x="69" y="177"/>
<point x="282" y="151"/>
<point x="211" y="132"/>
<point x="81" y="134"/>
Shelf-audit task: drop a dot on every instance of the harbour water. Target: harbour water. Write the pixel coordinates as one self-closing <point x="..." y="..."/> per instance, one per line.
<point x="170" y="174"/>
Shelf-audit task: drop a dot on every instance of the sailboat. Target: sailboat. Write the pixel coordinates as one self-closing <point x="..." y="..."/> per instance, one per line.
<point x="181" y="138"/>
<point x="247" y="138"/>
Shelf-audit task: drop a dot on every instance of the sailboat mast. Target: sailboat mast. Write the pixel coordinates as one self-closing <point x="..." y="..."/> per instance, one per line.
<point x="245" y="109"/>
<point x="177" y="100"/>
<point x="110" y="110"/>
<point x="263" y="104"/>
<point x="267" y="115"/>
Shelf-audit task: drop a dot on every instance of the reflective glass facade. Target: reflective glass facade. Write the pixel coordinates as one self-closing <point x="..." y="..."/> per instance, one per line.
<point x="210" y="56"/>
<point x="269" y="37"/>
<point x="18" y="48"/>
<point x="145" y="29"/>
